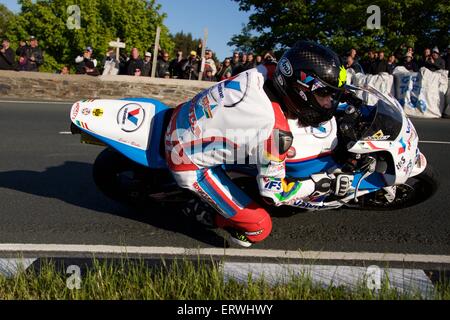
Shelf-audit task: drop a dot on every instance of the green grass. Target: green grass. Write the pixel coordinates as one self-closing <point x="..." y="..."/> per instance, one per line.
<point x="181" y="279"/>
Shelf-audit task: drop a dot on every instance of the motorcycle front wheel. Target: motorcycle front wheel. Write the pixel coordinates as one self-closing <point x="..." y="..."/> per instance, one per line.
<point x="414" y="191"/>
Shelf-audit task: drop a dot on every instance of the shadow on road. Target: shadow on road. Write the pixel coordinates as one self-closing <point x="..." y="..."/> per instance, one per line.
<point x="72" y="183"/>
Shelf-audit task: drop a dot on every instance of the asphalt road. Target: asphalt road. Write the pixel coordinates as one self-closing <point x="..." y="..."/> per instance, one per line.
<point x="47" y="196"/>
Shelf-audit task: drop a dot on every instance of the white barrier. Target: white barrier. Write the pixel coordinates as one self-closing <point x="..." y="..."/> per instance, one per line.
<point x="383" y="82"/>
<point x="423" y="94"/>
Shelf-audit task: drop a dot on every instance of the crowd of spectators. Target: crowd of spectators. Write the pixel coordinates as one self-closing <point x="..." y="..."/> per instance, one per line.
<point x="375" y="62"/>
<point x="29" y="57"/>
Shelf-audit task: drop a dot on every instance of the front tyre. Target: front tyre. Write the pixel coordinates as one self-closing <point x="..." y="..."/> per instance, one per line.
<point x="414" y="191"/>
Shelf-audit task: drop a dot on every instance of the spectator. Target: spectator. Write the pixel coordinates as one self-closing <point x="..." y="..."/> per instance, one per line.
<point x="134" y="64"/>
<point x="380" y="65"/>
<point x="446" y="58"/>
<point x="435" y="62"/>
<point x="6" y="56"/>
<point x="191" y="67"/>
<point x="208" y="74"/>
<point x="89" y="69"/>
<point x="147" y="65"/>
<point x="391" y="63"/>
<point x="352" y="53"/>
<point x="33" y="54"/>
<point x="175" y="65"/>
<point x="352" y="64"/>
<point x="65" y="70"/>
<point x="22" y="64"/>
<point x="162" y="65"/>
<point x="409" y="63"/>
<point x="235" y="61"/>
<point x="110" y="63"/>
<point x="123" y="61"/>
<point x="242" y="65"/>
<point x="81" y="60"/>
<point x="426" y="56"/>
<point x="209" y="62"/>
<point x="226" y="67"/>
<point x="258" y="60"/>
<point x="369" y="62"/>
<point x="250" y="61"/>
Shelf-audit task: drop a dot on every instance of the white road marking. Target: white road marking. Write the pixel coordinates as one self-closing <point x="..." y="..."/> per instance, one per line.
<point x="65" y="132"/>
<point x="256" y="253"/>
<point x="38" y="102"/>
<point x="435" y="142"/>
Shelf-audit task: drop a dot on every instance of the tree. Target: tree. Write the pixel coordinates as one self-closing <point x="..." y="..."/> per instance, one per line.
<point x="133" y="21"/>
<point x="343" y="25"/>
<point x="185" y="42"/>
<point x="245" y="41"/>
<point x="5" y="19"/>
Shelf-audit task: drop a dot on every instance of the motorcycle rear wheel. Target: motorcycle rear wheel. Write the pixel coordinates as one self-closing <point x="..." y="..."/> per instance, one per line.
<point x="124" y="180"/>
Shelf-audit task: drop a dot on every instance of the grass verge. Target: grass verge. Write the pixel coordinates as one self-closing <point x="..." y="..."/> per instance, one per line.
<point x="180" y="280"/>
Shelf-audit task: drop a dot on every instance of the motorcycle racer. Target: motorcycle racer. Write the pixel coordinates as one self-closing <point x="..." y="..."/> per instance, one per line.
<point x="244" y="120"/>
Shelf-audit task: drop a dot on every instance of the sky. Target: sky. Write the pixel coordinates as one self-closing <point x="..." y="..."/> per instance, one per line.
<point x="221" y="17"/>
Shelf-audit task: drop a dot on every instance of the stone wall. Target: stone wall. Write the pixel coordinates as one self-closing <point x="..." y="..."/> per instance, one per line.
<point x="55" y="87"/>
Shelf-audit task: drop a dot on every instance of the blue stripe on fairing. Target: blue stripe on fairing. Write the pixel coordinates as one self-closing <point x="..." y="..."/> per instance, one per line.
<point x="306" y="168"/>
<point x="372" y="183"/>
<point x="135" y="154"/>
<point x="183" y="117"/>
<point x="201" y="179"/>
<point x="238" y="196"/>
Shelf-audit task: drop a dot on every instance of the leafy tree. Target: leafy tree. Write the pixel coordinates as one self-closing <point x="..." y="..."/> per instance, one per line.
<point x="343" y="25"/>
<point x="245" y="41"/>
<point x="133" y="21"/>
<point x="184" y="42"/>
<point x="5" y="19"/>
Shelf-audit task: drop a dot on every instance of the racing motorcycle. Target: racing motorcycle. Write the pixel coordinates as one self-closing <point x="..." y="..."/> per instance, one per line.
<point x="370" y="137"/>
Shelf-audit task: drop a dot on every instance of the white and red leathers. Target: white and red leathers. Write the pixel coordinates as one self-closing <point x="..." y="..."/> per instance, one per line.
<point x="233" y="122"/>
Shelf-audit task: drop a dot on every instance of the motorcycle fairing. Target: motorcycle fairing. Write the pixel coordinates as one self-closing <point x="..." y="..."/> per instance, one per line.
<point x="132" y="126"/>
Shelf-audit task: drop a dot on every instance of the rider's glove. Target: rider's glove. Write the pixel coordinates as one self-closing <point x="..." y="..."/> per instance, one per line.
<point x="330" y="184"/>
<point x="341" y="184"/>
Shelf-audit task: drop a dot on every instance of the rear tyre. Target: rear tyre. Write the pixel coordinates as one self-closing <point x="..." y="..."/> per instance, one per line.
<point x="124" y="180"/>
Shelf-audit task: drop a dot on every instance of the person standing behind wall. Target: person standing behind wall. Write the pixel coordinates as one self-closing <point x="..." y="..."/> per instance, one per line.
<point x="110" y="63"/>
<point x="33" y="54"/>
<point x="6" y="56"/>
<point x="162" y="65"/>
<point x="147" y="65"/>
<point x="83" y="59"/>
<point x="175" y="65"/>
<point x="209" y="62"/>
<point x="191" y="67"/>
<point x="134" y="64"/>
<point x="435" y="62"/>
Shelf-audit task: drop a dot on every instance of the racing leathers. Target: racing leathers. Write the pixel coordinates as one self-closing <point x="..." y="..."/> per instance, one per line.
<point x="235" y="122"/>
